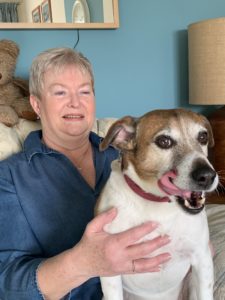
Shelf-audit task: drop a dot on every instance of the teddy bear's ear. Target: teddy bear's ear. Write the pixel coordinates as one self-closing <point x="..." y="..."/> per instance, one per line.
<point x="10" y="47"/>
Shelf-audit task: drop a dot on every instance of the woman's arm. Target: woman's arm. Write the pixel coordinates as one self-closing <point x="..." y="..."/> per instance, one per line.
<point x="20" y="252"/>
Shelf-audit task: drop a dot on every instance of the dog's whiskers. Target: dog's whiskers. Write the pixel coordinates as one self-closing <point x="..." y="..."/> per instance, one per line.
<point x="221" y="186"/>
<point x="222" y="179"/>
<point x="221" y="174"/>
<point x="220" y="190"/>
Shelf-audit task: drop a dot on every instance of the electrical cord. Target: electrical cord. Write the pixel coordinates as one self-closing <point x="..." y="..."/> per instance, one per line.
<point x="78" y="39"/>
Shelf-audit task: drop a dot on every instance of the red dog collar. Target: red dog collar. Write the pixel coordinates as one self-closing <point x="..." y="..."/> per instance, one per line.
<point x="138" y="190"/>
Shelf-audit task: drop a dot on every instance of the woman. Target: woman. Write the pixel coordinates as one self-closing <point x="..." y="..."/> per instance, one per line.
<point x="50" y="247"/>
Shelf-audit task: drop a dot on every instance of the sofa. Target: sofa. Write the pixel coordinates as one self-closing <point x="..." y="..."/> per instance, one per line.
<point x="11" y="141"/>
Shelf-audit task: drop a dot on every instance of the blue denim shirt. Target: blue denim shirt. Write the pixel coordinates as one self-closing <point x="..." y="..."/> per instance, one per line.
<point x="45" y="205"/>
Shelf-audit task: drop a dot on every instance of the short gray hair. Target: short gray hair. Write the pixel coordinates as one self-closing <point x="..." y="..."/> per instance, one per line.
<point x="55" y="59"/>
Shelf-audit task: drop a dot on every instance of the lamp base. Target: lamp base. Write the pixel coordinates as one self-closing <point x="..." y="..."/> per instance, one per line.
<point x="217" y="154"/>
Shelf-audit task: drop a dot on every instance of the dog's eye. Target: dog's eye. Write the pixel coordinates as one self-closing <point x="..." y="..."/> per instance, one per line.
<point x="164" y="142"/>
<point x="203" y="137"/>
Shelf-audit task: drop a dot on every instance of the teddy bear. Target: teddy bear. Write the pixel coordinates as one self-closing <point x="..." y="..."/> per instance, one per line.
<point x="14" y="91"/>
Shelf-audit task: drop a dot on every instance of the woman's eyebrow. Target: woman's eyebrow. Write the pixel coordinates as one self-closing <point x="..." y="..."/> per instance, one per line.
<point x="61" y="85"/>
<point x="85" y="83"/>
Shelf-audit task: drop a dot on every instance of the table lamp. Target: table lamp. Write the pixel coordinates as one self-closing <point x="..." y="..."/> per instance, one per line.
<point x="206" y="54"/>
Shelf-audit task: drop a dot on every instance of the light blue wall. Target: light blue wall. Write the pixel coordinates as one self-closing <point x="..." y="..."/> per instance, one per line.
<point x="140" y="66"/>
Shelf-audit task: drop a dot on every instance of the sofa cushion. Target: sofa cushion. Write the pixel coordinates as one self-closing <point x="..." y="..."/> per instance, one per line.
<point x="24" y="127"/>
<point x="103" y="125"/>
<point x="216" y="219"/>
<point x="12" y="138"/>
<point x="9" y="141"/>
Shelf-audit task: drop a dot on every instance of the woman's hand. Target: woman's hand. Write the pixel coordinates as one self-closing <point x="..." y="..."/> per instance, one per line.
<point x="102" y="254"/>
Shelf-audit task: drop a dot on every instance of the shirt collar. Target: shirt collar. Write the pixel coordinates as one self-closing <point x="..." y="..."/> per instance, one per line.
<point x="33" y="144"/>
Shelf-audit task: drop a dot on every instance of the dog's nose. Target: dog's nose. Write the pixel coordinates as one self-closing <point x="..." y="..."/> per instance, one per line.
<point x="204" y="176"/>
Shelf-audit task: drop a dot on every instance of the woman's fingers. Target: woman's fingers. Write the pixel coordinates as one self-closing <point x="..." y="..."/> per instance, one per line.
<point x="147" y="247"/>
<point x="133" y="235"/>
<point x="152" y="264"/>
<point x="124" y="252"/>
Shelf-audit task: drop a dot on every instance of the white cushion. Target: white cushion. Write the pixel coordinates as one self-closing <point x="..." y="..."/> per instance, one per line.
<point x="24" y="127"/>
<point x="216" y="220"/>
<point x="103" y="125"/>
<point x="12" y="138"/>
<point x="9" y="141"/>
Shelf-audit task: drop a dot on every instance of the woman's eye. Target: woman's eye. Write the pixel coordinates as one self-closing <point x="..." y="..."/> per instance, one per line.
<point x="59" y="93"/>
<point x="85" y="92"/>
<point x="203" y="137"/>
<point x="164" y="142"/>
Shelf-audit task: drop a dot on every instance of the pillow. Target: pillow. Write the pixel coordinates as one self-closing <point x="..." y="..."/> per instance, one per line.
<point x="103" y="125"/>
<point x="24" y="127"/>
<point x="9" y="141"/>
<point x="216" y="220"/>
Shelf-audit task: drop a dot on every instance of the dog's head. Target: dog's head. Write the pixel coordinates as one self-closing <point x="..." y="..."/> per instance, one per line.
<point x="165" y="153"/>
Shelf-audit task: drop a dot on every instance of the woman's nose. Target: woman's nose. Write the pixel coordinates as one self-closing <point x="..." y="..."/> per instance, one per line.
<point x="74" y="100"/>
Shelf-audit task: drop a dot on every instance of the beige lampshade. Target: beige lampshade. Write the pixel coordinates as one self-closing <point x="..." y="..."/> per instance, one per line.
<point x="206" y="54"/>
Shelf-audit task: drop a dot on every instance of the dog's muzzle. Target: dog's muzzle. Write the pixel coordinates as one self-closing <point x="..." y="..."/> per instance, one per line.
<point x="193" y="201"/>
<point x="203" y="178"/>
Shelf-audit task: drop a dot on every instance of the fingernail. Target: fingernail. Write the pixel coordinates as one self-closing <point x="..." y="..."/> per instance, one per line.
<point x="154" y="224"/>
<point x="111" y="210"/>
<point x="165" y="239"/>
<point x="167" y="257"/>
<point x="156" y="269"/>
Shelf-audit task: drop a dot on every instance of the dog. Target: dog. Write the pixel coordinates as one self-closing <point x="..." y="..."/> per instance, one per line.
<point x="162" y="175"/>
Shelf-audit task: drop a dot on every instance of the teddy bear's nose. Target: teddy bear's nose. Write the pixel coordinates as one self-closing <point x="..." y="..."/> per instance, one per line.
<point x="0" y="75"/>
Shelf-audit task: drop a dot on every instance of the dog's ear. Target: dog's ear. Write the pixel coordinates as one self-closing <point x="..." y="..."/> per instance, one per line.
<point x="121" y="134"/>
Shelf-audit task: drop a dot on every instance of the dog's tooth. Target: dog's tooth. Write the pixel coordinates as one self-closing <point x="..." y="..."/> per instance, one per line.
<point x="186" y="203"/>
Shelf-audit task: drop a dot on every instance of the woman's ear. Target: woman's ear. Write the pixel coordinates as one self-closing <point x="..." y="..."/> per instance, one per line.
<point x="35" y="103"/>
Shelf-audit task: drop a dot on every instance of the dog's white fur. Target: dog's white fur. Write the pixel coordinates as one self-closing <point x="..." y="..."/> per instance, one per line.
<point x="189" y="234"/>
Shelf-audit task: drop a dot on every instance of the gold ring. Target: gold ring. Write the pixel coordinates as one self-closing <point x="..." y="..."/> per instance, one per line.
<point x="133" y="266"/>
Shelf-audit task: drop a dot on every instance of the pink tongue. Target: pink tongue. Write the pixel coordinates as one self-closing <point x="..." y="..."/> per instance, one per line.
<point x="167" y="186"/>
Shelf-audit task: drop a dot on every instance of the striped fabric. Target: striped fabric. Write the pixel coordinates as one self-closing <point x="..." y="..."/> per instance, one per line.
<point x="216" y="219"/>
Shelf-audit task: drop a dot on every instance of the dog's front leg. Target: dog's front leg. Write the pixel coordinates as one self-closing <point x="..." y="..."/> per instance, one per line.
<point x="112" y="288"/>
<point x="203" y="276"/>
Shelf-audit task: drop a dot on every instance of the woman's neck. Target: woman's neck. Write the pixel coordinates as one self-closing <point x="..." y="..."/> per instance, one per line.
<point x="75" y="146"/>
<point x="80" y="154"/>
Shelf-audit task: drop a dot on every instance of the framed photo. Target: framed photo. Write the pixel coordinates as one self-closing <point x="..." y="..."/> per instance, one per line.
<point x="46" y="13"/>
<point x="36" y="15"/>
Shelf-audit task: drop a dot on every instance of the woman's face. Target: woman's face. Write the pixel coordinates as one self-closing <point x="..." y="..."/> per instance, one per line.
<point x="67" y="106"/>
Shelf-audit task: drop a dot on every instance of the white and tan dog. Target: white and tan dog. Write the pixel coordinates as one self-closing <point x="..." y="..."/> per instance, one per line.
<point x="162" y="176"/>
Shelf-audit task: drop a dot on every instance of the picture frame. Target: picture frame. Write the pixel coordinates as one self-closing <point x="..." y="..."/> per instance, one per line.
<point x="36" y="14"/>
<point x="46" y="12"/>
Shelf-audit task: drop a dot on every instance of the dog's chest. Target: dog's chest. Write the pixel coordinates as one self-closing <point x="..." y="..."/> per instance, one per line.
<point x="185" y="230"/>
<point x="186" y="237"/>
<point x="134" y="210"/>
